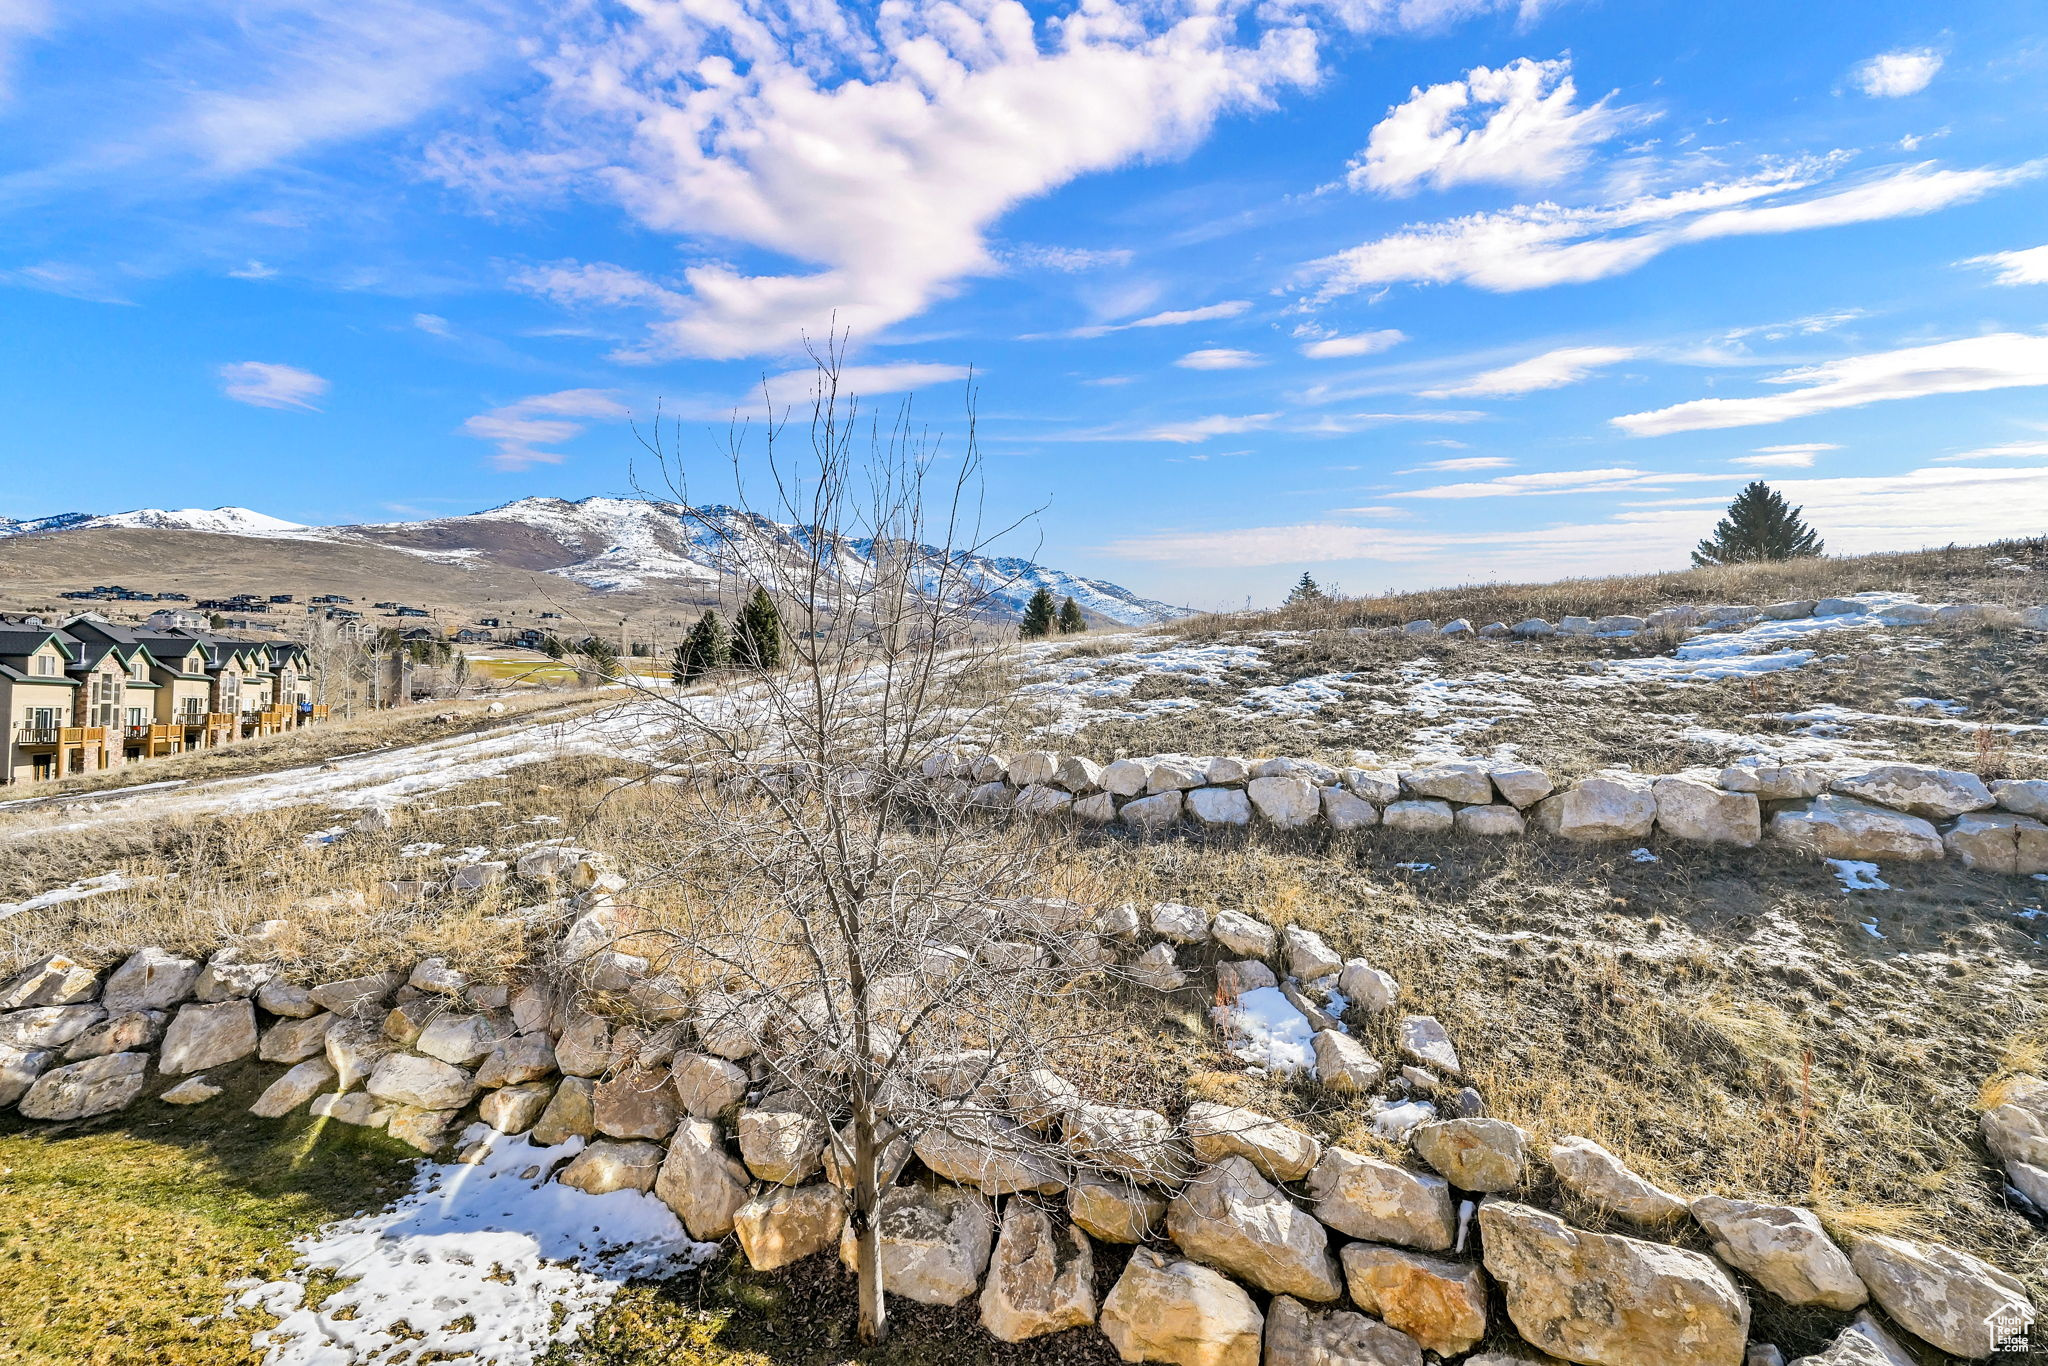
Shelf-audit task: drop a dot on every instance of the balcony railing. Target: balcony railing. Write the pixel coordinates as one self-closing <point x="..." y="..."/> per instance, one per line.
<point x="60" y="735"/>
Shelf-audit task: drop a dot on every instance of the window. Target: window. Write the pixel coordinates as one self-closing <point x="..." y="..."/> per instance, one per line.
<point x="46" y="666"/>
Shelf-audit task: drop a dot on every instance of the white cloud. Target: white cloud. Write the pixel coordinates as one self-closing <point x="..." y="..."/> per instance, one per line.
<point x="1218" y="358"/>
<point x="1200" y="429"/>
<point x="2003" y="360"/>
<point x="1551" y="370"/>
<point x="1532" y="246"/>
<point x="872" y="149"/>
<point x="1892" y="74"/>
<point x="1357" y="344"/>
<point x="1068" y="260"/>
<point x="271" y="386"/>
<point x="433" y="324"/>
<point x="1920" y="508"/>
<point x="1172" y="317"/>
<point x="1549" y="483"/>
<point x="1784" y="457"/>
<point x="21" y="21"/>
<point x="2028" y="267"/>
<point x="1532" y="132"/>
<point x="522" y="430"/>
<point x="1463" y="462"/>
<point x="2011" y="450"/>
<point x="252" y="270"/>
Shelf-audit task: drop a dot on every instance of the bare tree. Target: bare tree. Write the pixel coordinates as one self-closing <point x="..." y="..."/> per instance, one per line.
<point x="849" y="921"/>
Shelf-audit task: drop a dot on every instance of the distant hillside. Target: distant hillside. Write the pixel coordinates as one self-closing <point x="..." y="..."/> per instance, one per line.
<point x="595" y="559"/>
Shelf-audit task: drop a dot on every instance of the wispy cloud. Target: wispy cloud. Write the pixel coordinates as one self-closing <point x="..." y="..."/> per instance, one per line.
<point x="1218" y="358"/>
<point x="266" y="385"/>
<point x="1461" y="463"/>
<point x="1892" y="74"/>
<point x="1517" y="124"/>
<point x="1532" y="246"/>
<point x="2028" y="267"/>
<point x="1200" y="429"/>
<point x="433" y="324"/>
<point x="2003" y="360"/>
<point x="2011" y="450"/>
<point x="1784" y="457"/>
<point x="1356" y="344"/>
<point x="1551" y="370"/>
<point x="1172" y="317"/>
<point x="1548" y="483"/>
<point x="1068" y="260"/>
<point x="523" y="431"/>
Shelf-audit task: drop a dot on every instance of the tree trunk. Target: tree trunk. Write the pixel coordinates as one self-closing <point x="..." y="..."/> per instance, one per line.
<point x="867" y="1232"/>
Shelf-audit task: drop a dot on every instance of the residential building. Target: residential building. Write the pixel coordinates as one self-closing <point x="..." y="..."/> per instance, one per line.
<point x="91" y="694"/>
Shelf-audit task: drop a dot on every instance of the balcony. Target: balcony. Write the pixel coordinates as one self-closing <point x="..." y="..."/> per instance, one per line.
<point x="60" y="735"/>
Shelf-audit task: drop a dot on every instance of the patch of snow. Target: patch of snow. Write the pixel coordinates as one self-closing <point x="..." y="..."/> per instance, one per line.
<point x="1397" y="1119"/>
<point x="1858" y="876"/>
<point x="421" y="849"/>
<point x="331" y="835"/>
<point x="1641" y="856"/>
<point x="1264" y="1030"/>
<point x="480" y="1265"/>
<point x="1417" y="867"/>
<point x="72" y="891"/>
<point x="1934" y="704"/>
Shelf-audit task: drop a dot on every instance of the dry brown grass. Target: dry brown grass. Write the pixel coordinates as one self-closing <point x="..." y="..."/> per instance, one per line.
<point x="1958" y="573"/>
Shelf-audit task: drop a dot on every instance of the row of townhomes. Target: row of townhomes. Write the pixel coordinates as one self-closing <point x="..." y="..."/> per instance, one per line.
<point x="89" y="694"/>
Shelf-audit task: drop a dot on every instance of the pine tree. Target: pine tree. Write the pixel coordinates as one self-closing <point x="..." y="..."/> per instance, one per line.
<point x="1760" y="525"/>
<point x="552" y="647"/>
<point x="1039" y="616"/>
<point x="682" y="665"/>
<point x="1308" y="590"/>
<point x="1071" y="622"/>
<point x="707" y="647"/>
<point x="597" y="659"/>
<point x="757" y="641"/>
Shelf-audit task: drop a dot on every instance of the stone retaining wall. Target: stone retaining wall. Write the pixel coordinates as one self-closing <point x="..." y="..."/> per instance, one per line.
<point x="1257" y="1242"/>
<point x="1876" y="812"/>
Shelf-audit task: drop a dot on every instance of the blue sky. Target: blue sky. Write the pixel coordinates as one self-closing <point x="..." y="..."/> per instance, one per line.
<point x="1399" y="292"/>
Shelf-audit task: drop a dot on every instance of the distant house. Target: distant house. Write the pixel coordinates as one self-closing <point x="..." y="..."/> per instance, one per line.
<point x="487" y="621"/>
<point x="470" y="635"/>
<point x="332" y="598"/>
<point x="411" y="612"/>
<point x="175" y="619"/>
<point x="384" y="606"/>
<point x="280" y="597"/>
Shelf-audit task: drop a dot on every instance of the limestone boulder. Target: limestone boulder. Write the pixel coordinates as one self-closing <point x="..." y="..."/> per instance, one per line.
<point x="1466" y="783"/>
<point x="701" y="1181"/>
<point x="150" y="979"/>
<point x="1309" y="957"/>
<point x="354" y="1048"/>
<point x="1114" y="1211"/>
<point x="1158" y="968"/>
<point x="1099" y="809"/>
<point x="1232" y="1218"/>
<point x="82" y="1090"/>
<point x="287" y="999"/>
<point x="1783" y="1249"/>
<point x="1376" y="785"/>
<point x="2025" y="796"/>
<point x="1033" y="767"/>
<point x="2017" y="1133"/>
<point x="785" y="1224"/>
<point x="1126" y="777"/>
<point x="1842" y="827"/>
<point x="1382" y="1203"/>
<point x="191" y="1091"/>
<point x="1286" y="802"/>
<point x="520" y="1059"/>
<point x="1604" y="1181"/>
<point x="516" y="1108"/>
<point x="1367" y="987"/>
<point x="296" y="1087"/>
<point x="635" y="1102"/>
<point x="1220" y="806"/>
<point x="786" y="1147"/>
<point x="1606" y="1300"/>
<point x="203" y="1036"/>
<point x="709" y="1088"/>
<point x="604" y="1167"/>
<point x="1278" y="1151"/>
<point x="1999" y="842"/>
<point x="48" y="1026"/>
<point x="1176" y="774"/>
<point x="19" y="1067"/>
<point x="1948" y="1299"/>
<point x="295" y="1040"/>
<point x="426" y="1130"/>
<point x="1923" y="790"/>
<point x="1149" y="814"/>
<point x="1439" y="1302"/>
<point x="1181" y="924"/>
<point x="933" y="1242"/>
<point x="1474" y="1154"/>
<point x="233" y="974"/>
<point x="1425" y="1041"/>
<point x="584" y="1046"/>
<point x="568" y="1113"/>
<point x="463" y="1040"/>
<point x="1607" y="807"/>
<point x="1488" y="822"/>
<point x="1776" y="782"/>
<point x="1078" y="775"/>
<point x="1244" y="935"/>
<point x="968" y="1146"/>
<point x="1863" y="1343"/>
<point x="1297" y="1335"/>
<point x="135" y="1029"/>
<point x="1180" y="1313"/>
<point x="1041" y="1278"/>
<point x="1342" y="1064"/>
<point x="1126" y="1141"/>
<point x="1343" y="811"/>
<point x="1420" y="816"/>
<point x="355" y="995"/>
<point x="423" y="1083"/>
<point x="1043" y="801"/>
<point x="1697" y="810"/>
<point x="52" y="980"/>
<point x="1520" y="785"/>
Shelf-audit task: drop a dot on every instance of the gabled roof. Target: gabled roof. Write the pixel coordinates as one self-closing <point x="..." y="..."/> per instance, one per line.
<point x="26" y="640"/>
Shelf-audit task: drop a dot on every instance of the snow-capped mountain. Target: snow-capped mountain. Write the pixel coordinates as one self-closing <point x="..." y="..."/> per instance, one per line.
<point x="637" y="545"/>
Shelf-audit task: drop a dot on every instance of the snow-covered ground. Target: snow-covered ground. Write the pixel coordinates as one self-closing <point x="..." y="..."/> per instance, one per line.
<point x="483" y="1265"/>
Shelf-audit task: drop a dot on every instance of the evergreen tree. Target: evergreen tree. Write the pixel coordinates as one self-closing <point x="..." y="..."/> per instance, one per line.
<point x="1760" y="525"/>
<point x="707" y="647"/>
<point x="757" y="640"/>
<point x="1071" y="621"/>
<point x="552" y="647"/>
<point x="1039" y="616"/>
<point x="682" y="666"/>
<point x="597" y="659"/>
<point x="1308" y="590"/>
